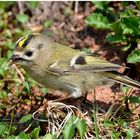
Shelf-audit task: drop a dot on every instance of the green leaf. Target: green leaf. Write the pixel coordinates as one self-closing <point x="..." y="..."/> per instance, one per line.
<point x="44" y="90"/>
<point x="116" y="26"/>
<point x="86" y="50"/>
<point x="115" y="135"/>
<point x="115" y="38"/>
<point x="9" y="53"/>
<point x="125" y="89"/>
<point x="6" y="4"/>
<point x="32" y="4"/>
<point x="26" y="118"/>
<point x="96" y="127"/>
<point x="134" y="99"/>
<point x="134" y="57"/>
<point x="81" y="127"/>
<point x="48" y="23"/>
<point x="3" y="106"/>
<point x="23" y="136"/>
<point x="26" y="86"/>
<point x="11" y="137"/>
<point x="2" y="128"/>
<point x="117" y="35"/>
<point x="126" y="30"/>
<point x="49" y="136"/>
<point x="8" y="33"/>
<point x="72" y="119"/>
<point x="126" y="48"/>
<point x="107" y="123"/>
<point x="22" y="18"/>
<point x="98" y="21"/>
<point x="130" y="25"/>
<point x="3" y="95"/>
<point x="1" y="22"/>
<point x="130" y="134"/>
<point x="100" y="4"/>
<point x="9" y="44"/>
<point x="1" y="72"/>
<point x="68" y="131"/>
<point x="122" y="122"/>
<point x="35" y="133"/>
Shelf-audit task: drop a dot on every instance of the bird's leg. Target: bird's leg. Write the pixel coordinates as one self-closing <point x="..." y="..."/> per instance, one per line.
<point x="60" y="99"/>
<point x="85" y="94"/>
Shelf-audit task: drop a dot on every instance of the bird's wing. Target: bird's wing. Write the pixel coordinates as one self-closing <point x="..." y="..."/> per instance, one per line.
<point x="59" y="68"/>
<point x="82" y="63"/>
<point x="93" y="64"/>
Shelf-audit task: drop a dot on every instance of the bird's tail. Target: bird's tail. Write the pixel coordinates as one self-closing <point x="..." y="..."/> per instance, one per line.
<point x="123" y="79"/>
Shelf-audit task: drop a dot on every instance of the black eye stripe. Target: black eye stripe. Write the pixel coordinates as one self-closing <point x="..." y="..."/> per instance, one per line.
<point x="29" y="53"/>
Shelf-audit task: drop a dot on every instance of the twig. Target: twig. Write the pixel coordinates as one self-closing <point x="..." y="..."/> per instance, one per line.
<point x="20" y="6"/>
<point x="28" y="127"/>
<point x="117" y="111"/>
<point x="19" y="72"/>
<point x="76" y="7"/>
<point x="10" y="80"/>
<point x="63" y="123"/>
<point x="56" y="123"/>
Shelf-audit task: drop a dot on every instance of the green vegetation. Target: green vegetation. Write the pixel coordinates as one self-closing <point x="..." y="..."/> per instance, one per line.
<point x="123" y="26"/>
<point x="123" y="30"/>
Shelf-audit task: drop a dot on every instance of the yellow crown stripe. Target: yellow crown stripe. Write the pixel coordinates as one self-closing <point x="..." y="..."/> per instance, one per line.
<point x="20" y="44"/>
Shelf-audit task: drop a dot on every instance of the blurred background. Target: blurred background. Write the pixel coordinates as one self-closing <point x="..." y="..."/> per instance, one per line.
<point x="108" y="29"/>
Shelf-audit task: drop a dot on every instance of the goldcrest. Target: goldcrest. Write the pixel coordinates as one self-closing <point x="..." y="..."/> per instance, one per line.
<point x="62" y="68"/>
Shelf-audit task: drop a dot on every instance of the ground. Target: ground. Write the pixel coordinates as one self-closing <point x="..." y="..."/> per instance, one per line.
<point x="67" y="21"/>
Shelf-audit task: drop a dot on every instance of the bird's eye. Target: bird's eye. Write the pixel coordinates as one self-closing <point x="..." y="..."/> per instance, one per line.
<point x="29" y="53"/>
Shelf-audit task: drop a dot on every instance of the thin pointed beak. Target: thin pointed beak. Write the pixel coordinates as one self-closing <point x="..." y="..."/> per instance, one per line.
<point x="14" y="59"/>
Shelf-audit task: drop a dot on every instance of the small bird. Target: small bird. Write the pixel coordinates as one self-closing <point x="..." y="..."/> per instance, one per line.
<point x="60" y="67"/>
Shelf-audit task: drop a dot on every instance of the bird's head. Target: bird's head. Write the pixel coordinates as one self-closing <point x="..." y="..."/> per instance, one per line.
<point x="26" y="50"/>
